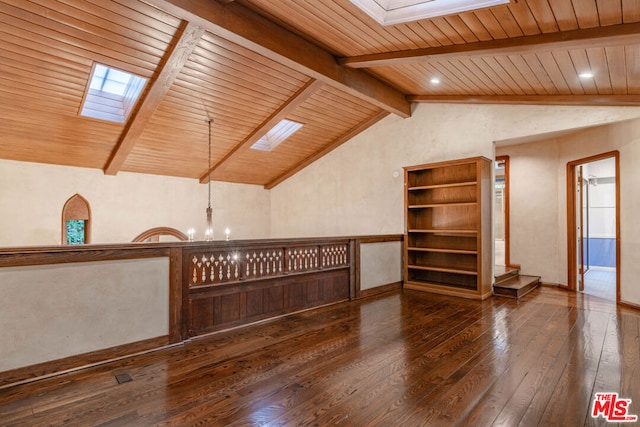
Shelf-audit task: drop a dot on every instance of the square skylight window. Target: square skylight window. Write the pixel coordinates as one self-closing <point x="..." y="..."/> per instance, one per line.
<point x="391" y="12"/>
<point x="283" y="130"/>
<point x="111" y="94"/>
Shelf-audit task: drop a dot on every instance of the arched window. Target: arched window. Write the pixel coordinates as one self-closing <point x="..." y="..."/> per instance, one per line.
<point x="76" y="221"/>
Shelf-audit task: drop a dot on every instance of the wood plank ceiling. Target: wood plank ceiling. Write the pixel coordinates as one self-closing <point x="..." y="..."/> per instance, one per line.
<point x="247" y="64"/>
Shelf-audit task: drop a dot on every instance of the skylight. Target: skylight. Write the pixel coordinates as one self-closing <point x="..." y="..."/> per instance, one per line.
<point x="111" y="94"/>
<point x="390" y="12"/>
<point x="275" y="136"/>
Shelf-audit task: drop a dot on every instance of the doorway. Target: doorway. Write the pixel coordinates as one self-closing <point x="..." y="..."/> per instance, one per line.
<point x="593" y="231"/>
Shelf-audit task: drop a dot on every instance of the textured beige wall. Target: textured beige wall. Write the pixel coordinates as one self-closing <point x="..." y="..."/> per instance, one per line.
<point x="381" y="264"/>
<point x="536" y="186"/>
<point x="53" y="311"/>
<point x="538" y="178"/>
<point x="353" y="191"/>
<point x="32" y="197"/>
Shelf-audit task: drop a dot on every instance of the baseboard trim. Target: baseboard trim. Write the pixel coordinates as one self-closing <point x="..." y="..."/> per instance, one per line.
<point x="368" y="293"/>
<point x="65" y="365"/>
<point x="554" y="285"/>
<point x="631" y="305"/>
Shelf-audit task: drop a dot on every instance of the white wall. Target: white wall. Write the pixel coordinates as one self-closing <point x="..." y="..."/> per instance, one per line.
<point x="530" y="161"/>
<point x="536" y="183"/>
<point x="32" y="197"/>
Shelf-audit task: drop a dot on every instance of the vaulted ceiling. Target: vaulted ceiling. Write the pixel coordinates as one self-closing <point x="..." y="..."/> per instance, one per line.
<point x="247" y="64"/>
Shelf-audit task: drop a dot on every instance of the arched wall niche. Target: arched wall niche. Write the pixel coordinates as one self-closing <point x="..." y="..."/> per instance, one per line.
<point x="76" y="221"/>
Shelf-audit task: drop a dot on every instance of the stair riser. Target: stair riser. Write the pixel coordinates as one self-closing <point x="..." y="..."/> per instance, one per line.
<point x="506" y="276"/>
<point x="516" y="293"/>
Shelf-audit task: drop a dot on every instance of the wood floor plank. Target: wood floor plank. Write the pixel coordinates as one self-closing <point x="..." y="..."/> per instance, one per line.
<point x="579" y="374"/>
<point x="402" y="358"/>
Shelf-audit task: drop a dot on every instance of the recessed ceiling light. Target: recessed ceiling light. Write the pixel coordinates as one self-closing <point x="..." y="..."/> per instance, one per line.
<point x="586" y="75"/>
<point x="435" y="81"/>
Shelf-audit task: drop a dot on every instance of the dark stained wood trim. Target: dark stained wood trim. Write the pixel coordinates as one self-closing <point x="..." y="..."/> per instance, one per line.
<point x="177" y="54"/>
<point x="308" y="89"/>
<point x="79" y="254"/>
<point x="571" y="223"/>
<point x="618" y="233"/>
<point x="357" y="284"/>
<point x="82" y="361"/>
<point x="589" y="100"/>
<point x="354" y="269"/>
<point x="248" y="29"/>
<point x="390" y="287"/>
<point x="571" y="218"/>
<point x="175" y="296"/>
<point x="612" y="35"/>
<point x="381" y="238"/>
<point x="359" y="128"/>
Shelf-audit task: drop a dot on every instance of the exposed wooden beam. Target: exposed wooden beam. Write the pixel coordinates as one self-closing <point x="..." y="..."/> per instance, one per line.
<point x="285" y="109"/>
<point x="586" y="100"/>
<point x="614" y="35"/>
<point x="335" y="144"/>
<point x="183" y="43"/>
<point x="246" y="28"/>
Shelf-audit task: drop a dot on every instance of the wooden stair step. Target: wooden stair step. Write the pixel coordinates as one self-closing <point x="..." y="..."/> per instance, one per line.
<point x="516" y="287"/>
<point x="503" y="273"/>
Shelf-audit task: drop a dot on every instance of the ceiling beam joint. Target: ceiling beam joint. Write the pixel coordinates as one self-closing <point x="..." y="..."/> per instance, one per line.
<point x="181" y="47"/>
<point x="244" y="27"/>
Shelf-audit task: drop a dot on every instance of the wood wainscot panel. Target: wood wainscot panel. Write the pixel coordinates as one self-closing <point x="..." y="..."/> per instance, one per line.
<point x="225" y="306"/>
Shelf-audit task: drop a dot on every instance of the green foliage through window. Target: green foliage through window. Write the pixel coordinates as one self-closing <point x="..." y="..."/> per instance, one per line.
<point x="75" y="232"/>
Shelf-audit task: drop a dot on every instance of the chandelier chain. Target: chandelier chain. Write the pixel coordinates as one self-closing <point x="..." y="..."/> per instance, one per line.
<point x="209" y="165"/>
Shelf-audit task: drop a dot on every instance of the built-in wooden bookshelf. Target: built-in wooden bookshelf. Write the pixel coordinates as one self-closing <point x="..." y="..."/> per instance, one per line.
<point x="447" y="247"/>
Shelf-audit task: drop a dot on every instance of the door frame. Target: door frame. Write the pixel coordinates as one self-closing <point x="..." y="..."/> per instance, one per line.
<point x="571" y="217"/>
<point x="505" y="195"/>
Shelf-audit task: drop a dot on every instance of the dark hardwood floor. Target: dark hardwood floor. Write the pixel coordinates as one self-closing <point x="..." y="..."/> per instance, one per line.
<point x="399" y="359"/>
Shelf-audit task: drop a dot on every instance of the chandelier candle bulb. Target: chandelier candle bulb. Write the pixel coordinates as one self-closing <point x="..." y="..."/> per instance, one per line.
<point x="227" y="232"/>
<point x="191" y="232"/>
